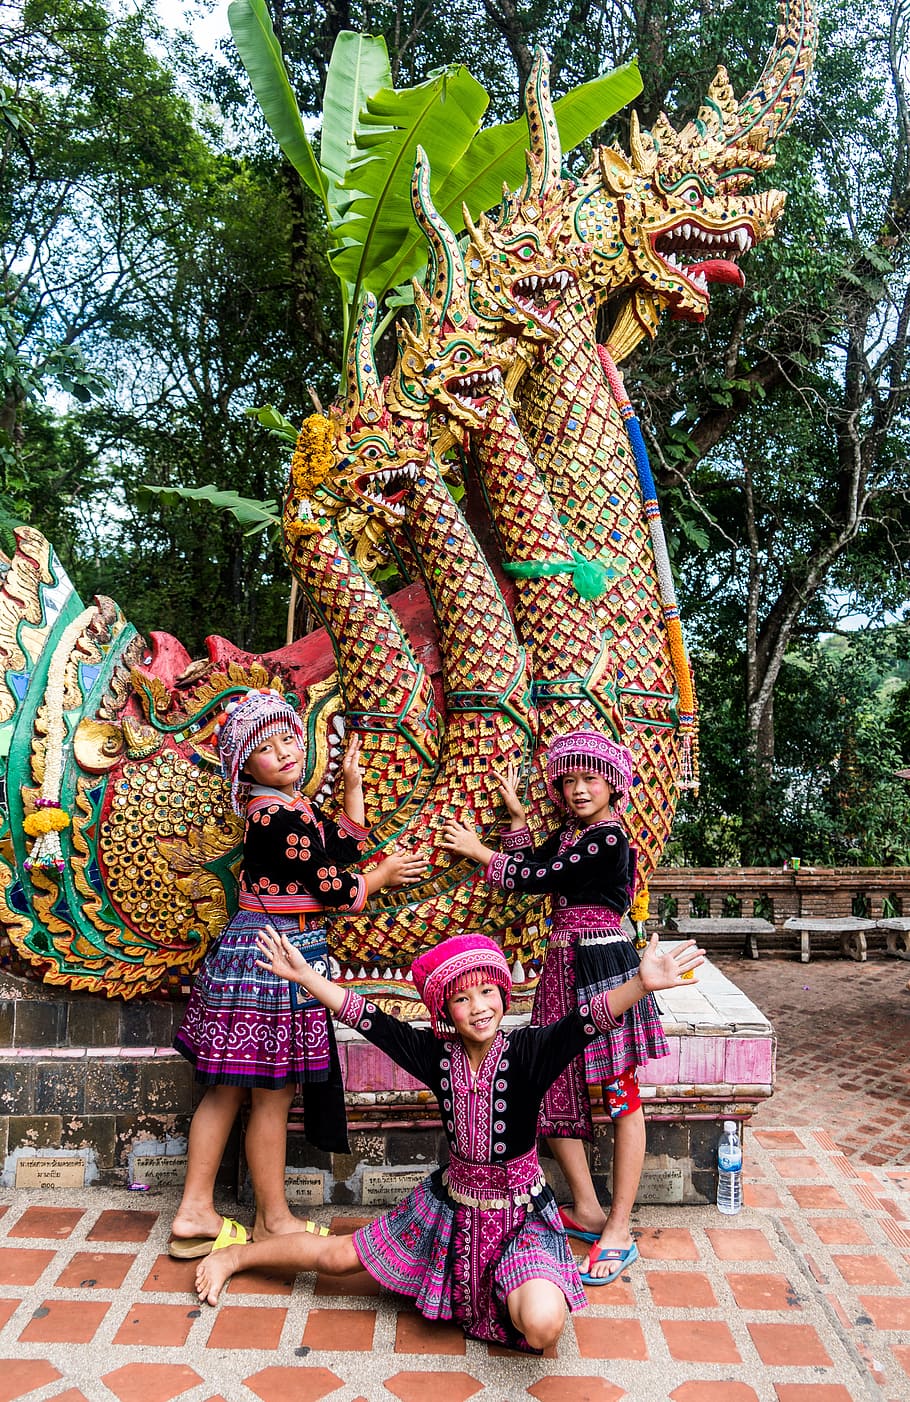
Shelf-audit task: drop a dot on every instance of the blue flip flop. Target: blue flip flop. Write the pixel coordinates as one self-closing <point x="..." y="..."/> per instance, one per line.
<point x="610" y="1253"/>
<point x="573" y="1229"/>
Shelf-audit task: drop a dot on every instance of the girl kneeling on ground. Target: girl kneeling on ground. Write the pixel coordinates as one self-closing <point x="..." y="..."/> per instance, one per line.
<point x="480" y="1241"/>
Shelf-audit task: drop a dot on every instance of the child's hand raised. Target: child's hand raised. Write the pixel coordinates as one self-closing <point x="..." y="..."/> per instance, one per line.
<point x="279" y="956"/>
<point x="668" y="968"/>
<point x="508" y="787"/>
<point x="350" y="766"/>
<point x="462" y="839"/>
<point x="400" y="867"/>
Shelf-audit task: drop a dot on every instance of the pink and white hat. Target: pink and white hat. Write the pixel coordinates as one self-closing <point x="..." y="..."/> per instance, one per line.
<point x="244" y="724"/>
<point x="590" y="749"/>
<point x="464" y="961"/>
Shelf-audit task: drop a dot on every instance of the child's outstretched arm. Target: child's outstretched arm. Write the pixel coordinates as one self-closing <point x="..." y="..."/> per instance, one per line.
<point x="283" y="960"/>
<point x="659" y="968"/>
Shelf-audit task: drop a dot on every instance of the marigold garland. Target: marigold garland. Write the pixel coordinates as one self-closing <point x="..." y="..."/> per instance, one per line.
<point x="45" y="820"/>
<point x="313" y="454"/>
<point x="641" y="905"/>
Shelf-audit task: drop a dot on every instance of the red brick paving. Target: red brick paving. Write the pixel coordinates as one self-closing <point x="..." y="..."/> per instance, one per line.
<point x="804" y="1298"/>
<point x="47" y="1222"/>
<point x="414" y="1334"/>
<point x="714" y="1392"/>
<point x="700" y="1341"/>
<point x="19" y="1376"/>
<point x="740" y="1244"/>
<point x="610" y="1338"/>
<point x="237" y="1326"/>
<point x="446" y="1387"/>
<point x="865" y="1270"/>
<point x="95" y="1270"/>
<point x="260" y="1283"/>
<point x="294" y="1384"/>
<point x="170" y="1275"/>
<point x="347" y="1330"/>
<point x="789" y="1345"/>
<point x="667" y="1244"/>
<point x="853" y="1073"/>
<point x="681" y="1290"/>
<point x="123" y="1226"/>
<point x="20" y="1265"/>
<point x="151" y="1382"/>
<point x="159" y="1326"/>
<point x="64" y="1322"/>
<point x="763" y="1292"/>
<point x="563" y="1389"/>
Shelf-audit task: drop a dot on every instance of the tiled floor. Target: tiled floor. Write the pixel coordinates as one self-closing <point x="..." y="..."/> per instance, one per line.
<point x="804" y="1297"/>
<point x="843" y="1056"/>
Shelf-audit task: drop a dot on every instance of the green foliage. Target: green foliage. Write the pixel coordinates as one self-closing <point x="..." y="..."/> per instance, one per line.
<point x="832" y="796"/>
<point x="469" y="166"/>
<point x="371" y="134"/>
<point x="258" y="515"/>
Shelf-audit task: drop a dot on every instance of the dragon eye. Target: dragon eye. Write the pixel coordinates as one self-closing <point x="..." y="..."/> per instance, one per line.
<point x="371" y="453"/>
<point x="461" y="357"/>
<point x="526" y="252"/>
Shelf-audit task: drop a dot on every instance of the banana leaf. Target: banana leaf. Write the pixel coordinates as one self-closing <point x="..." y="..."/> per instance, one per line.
<point x="441" y="114"/>
<point x="261" y="54"/>
<point x="358" y="68"/>
<point x="258" y="515"/>
<point x="388" y="247"/>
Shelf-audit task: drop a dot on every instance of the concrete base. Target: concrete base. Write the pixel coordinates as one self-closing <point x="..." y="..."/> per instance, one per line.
<point x="93" y="1088"/>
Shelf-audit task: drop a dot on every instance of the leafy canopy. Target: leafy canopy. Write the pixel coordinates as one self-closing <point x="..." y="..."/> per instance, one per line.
<point x="371" y="131"/>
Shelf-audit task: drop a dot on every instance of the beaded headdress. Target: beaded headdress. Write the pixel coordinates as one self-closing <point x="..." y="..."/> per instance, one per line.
<point x="460" y="962"/>
<point x="590" y="749"/>
<point x="243" y="725"/>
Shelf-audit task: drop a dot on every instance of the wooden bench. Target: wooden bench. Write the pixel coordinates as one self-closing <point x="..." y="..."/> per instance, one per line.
<point x="704" y="927"/>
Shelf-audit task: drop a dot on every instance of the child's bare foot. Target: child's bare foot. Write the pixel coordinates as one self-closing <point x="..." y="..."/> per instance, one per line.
<point x="214" y="1271"/>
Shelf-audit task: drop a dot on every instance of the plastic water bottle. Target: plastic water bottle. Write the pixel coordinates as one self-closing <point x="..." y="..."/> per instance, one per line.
<point x="729" y="1170"/>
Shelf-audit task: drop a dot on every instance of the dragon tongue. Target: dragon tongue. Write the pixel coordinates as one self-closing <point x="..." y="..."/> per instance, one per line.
<point x="718" y="270"/>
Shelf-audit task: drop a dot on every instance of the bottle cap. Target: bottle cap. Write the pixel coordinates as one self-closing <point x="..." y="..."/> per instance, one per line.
<point x="731" y="1127"/>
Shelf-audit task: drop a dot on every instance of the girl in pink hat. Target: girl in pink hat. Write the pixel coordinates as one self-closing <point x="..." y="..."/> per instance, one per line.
<point x="241" y="1031"/>
<point x="480" y="1241"/>
<point x="588" y="867"/>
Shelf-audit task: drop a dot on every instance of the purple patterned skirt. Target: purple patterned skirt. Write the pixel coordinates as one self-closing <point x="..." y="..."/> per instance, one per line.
<point x="588" y="953"/>
<point x="243" y="1026"/>
<point x="462" y="1262"/>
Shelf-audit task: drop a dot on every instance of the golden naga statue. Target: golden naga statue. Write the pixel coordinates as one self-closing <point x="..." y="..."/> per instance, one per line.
<point x="541" y="597"/>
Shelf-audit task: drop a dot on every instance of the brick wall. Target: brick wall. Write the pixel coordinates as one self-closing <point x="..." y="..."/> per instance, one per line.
<point x="776" y="894"/>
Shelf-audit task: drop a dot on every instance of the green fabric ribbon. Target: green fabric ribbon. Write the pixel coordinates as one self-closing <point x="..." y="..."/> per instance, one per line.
<point x="589" y="577"/>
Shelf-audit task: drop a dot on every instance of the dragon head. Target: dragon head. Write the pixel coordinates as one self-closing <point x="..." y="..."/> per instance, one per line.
<point x="444" y="365"/>
<point x="340" y="457"/>
<point x="676" y="215"/>
<point x="520" y="265"/>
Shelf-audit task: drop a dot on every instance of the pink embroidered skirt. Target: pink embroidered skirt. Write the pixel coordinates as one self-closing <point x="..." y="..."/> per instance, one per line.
<point x="462" y="1262"/>
<point x="589" y="952"/>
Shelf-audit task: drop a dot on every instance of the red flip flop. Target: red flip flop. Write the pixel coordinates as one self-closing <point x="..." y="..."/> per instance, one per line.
<point x="573" y="1229"/>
